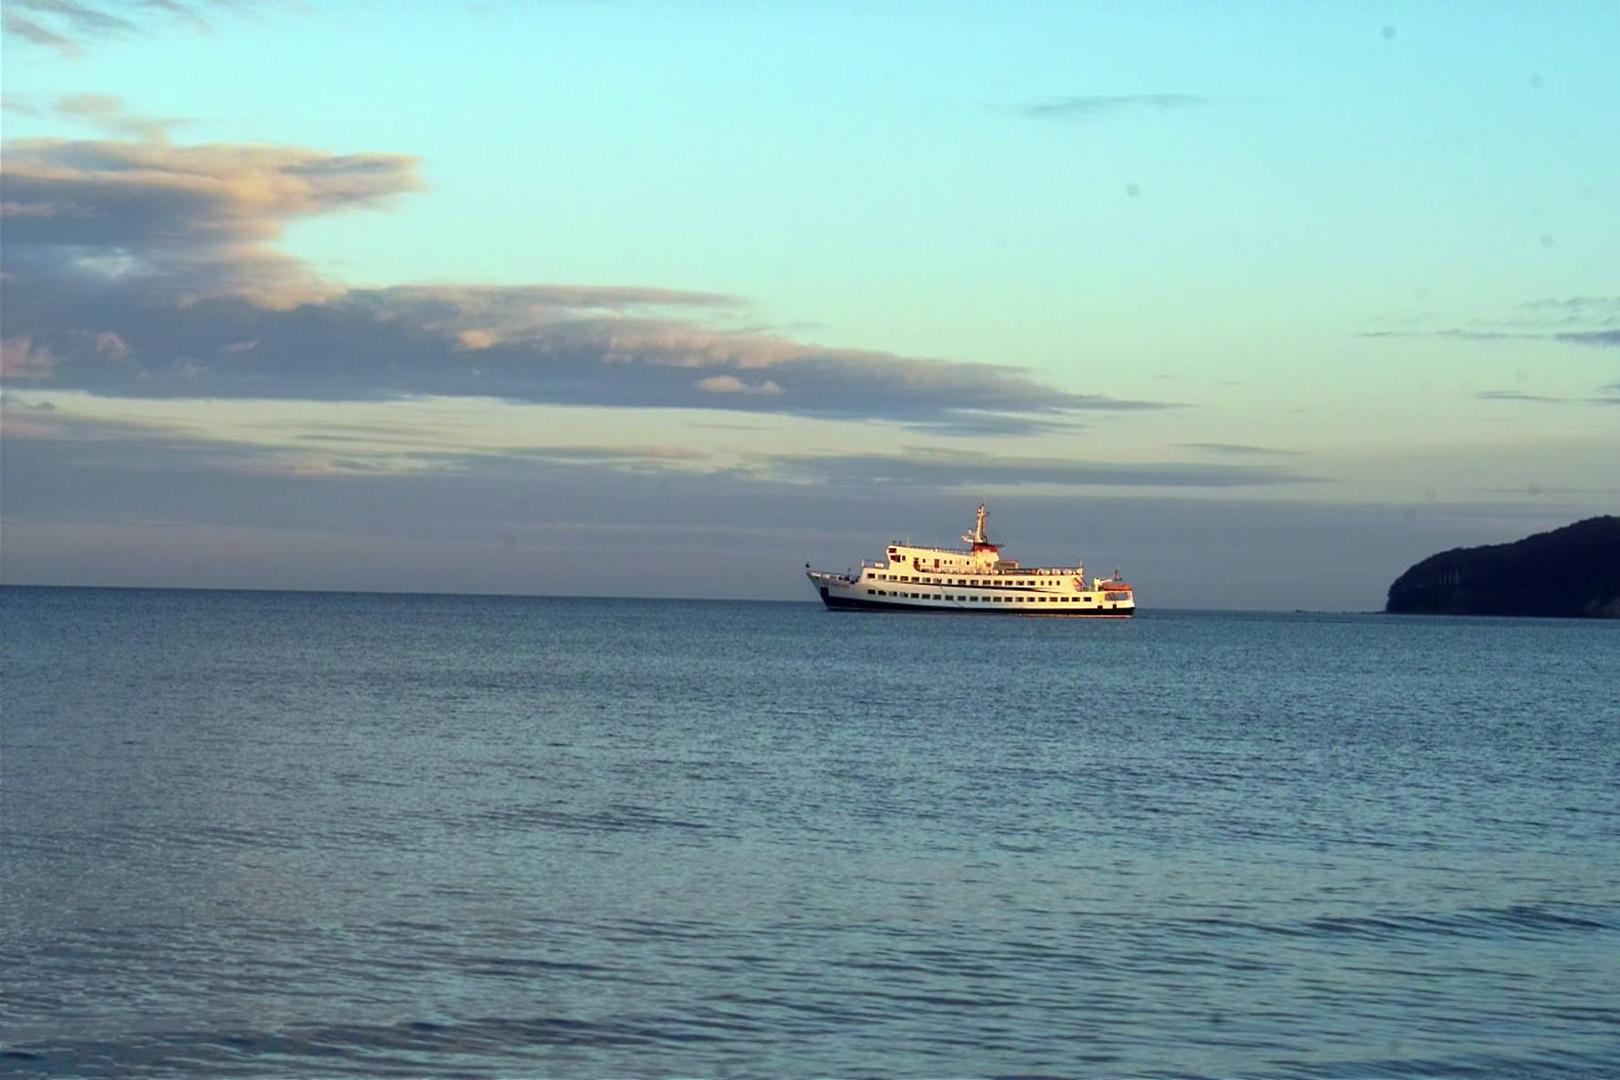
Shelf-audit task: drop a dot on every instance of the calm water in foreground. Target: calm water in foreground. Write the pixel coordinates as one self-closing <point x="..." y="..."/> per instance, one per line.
<point x="320" y="834"/>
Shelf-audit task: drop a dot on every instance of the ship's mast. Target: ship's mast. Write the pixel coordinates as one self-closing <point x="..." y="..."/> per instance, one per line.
<point x="977" y="536"/>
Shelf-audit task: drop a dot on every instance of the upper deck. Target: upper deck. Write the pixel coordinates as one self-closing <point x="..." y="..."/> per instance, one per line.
<point x="981" y="559"/>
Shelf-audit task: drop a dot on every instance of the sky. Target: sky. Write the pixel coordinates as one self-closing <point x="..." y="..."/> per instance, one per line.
<point x="1260" y="303"/>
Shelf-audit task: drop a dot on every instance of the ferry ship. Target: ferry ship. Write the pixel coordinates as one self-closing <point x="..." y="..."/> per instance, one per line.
<point x="933" y="579"/>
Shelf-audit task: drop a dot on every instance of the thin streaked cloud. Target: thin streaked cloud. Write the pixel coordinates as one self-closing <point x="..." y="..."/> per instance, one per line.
<point x="1239" y="449"/>
<point x="68" y="27"/>
<point x="1613" y="397"/>
<point x="947" y="470"/>
<point x="1096" y="106"/>
<point x="1598" y="339"/>
<point x="110" y="114"/>
<point x="1591" y="321"/>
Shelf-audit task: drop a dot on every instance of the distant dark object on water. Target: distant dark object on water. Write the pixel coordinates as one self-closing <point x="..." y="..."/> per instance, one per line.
<point x="1573" y="572"/>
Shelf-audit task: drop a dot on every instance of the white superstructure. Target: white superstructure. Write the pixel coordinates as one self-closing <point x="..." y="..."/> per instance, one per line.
<point x="976" y="580"/>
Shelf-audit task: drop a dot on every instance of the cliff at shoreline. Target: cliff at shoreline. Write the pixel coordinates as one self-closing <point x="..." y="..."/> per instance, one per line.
<point x="1572" y="572"/>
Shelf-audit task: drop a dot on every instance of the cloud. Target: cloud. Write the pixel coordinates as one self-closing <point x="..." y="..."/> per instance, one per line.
<point x="940" y="469"/>
<point x="730" y="384"/>
<point x="380" y="344"/>
<point x="111" y="346"/>
<point x="1096" y="106"/>
<point x="1601" y="339"/>
<point x="1575" y="307"/>
<point x="109" y="114"/>
<point x="68" y="25"/>
<point x="180" y="450"/>
<point x="1545" y="399"/>
<point x="1589" y="321"/>
<point x="331" y="448"/>
<point x="1238" y="449"/>
<point x="21" y="359"/>
<point x="973" y="424"/>
<point x="18" y="25"/>
<point x="180" y="222"/>
<point x="169" y="252"/>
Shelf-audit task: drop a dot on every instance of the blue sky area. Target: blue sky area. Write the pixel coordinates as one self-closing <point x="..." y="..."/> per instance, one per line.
<point x="1260" y="302"/>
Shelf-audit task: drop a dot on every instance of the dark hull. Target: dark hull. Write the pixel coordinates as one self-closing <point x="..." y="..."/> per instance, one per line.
<point x="840" y="603"/>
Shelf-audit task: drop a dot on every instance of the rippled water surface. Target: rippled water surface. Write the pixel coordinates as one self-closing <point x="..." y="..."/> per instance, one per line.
<point x="305" y="834"/>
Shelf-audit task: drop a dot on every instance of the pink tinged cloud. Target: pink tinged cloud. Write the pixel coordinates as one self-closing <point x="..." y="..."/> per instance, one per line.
<point x="730" y="384"/>
<point x="21" y="360"/>
<point x="179" y="242"/>
<point x="196" y="220"/>
<point x="111" y="347"/>
<point x="475" y="340"/>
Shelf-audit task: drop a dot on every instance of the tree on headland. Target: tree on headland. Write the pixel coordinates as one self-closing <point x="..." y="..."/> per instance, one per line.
<point x="1572" y="572"/>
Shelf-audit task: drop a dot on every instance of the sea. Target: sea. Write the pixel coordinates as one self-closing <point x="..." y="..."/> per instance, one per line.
<point x="261" y="834"/>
